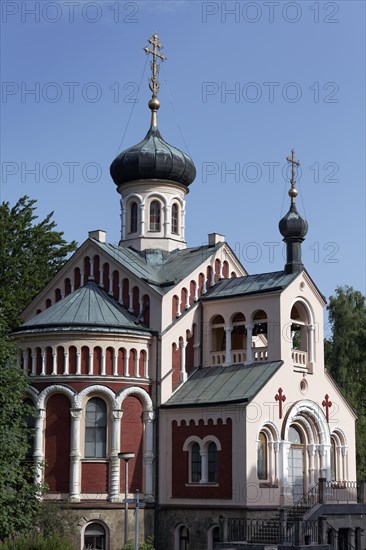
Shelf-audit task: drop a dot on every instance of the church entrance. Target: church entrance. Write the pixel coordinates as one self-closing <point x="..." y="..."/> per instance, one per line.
<point x="296" y="464"/>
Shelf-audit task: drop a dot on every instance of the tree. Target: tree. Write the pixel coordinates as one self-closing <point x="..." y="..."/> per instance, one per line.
<point x="30" y="254"/>
<point x="19" y="496"/>
<point x="345" y="358"/>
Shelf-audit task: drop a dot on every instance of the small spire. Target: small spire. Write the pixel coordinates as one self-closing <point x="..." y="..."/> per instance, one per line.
<point x="154" y="84"/>
<point x="293" y="191"/>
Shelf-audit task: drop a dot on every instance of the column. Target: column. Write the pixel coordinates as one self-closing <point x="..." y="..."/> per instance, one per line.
<point x="25" y="361"/>
<point x="324" y="454"/>
<point x="103" y="367"/>
<point x="54" y="362"/>
<point x="136" y="364"/>
<point x="141" y="305"/>
<point x="66" y="366"/>
<point x="271" y="474"/>
<point x="123" y="220"/>
<point x="186" y="306"/>
<point x="220" y="271"/>
<point x="285" y="495"/>
<point x="203" y="466"/>
<point x="228" y="357"/>
<point x="311" y="339"/>
<point x="114" y="476"/>
<point x="249" y="328"/>
<point x="75" y="455"/>
<point x="115" y="362"/>
<point x="43" y="371"/>
<point x="276" y="450"/>
<point x="130" y="307"/>
<point x="90" y="364"/>
<point x="344" y="463"/>
<point x="339" y="464"/>
<point x="78" y="362"/>
<point x="311" y="452"/>
<point x="149" y="455"/>
<point x="146" y="364"/>
<point x="195" y="292"/>
<point x="183" y="373"/>
<point x="110" y="290"/>
<point x="34" y="363"/>
<point x="142" y="220"/>
<point x="212" y="282"/>
<point x="120" y="289"/>
<point x="182" y="223"/>
<point x="38" y="454"/>
<point x="101" y="275"/>
<point x="81" y="278"/>
<point x="166" y="222"/>
<point x="178" y="307"/>
<point x="127" y="357"/>
<point x="204" y="286"/>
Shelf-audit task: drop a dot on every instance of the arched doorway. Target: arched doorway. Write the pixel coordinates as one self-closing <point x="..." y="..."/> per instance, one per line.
<point x="296" y="463"/>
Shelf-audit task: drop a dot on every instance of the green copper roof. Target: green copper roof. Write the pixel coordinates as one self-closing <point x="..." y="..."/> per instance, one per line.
<point x="213" y="385"/>
<point x="250" y="284"/>
<point x="159" y="268"/>
<point x="89" y="306"/>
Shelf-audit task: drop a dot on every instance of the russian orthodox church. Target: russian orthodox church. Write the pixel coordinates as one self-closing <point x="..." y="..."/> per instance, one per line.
<point x="212" y="379"/>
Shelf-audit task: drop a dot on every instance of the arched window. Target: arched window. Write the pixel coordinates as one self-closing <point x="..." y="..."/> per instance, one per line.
<point x="133" y="217"/>
<point x="333" y="459"/>
<point x="196" y="468"/>
<point x="212" y="462"/>
<point x="95" y="428"/>
<point x="183" y="538"/>
<point x="155" y="223"/>
<point x="94" y="537"/>
<point x="262" y="460"/>
<point x="218" y="334"/>
<point x="175" y="213"/>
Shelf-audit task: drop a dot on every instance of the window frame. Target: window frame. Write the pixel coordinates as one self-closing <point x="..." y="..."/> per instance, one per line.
<point x="102" y="429"/>
<point x="155" y="216"/>
<point x="133" y="222"/>
<point x="175" y="219"/>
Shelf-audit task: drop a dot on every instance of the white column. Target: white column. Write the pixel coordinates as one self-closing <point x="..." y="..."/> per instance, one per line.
<point x="136" y="364"/>
<point x="115" y="362"/>
<point x="141" y="305"/>
<point x="271" y="474"/>
<point x="103" y="367"/>
<point x="81" y="278"/>
<point x="127" y="357"/>
<point x="285" y="496"/>
<point x="101" y="276"/>
<point x="34" y="363"/>
<point x="324" y="454"/>
<point x="66" y="366"/>
<point x="203" y="466"/>
<point x="75" y="455"/>
<point x="146" y="364"/>
<point x="54" y="362"/>
<point x="114" y="489"/>
<point x="130" y="307"/>
<point x="220" y="272"/>
<point x="339" y="464"/>
<point x="38" y="454"/>
<point x="72" y="285"/>
<point x="25" y="361"/>
<point x="166" y="221"/>
<point x="149" y="455"/>
<point x="123" y="220"/>
<point x="178" y="307"/>
<point x="212" y="282"/>
<point x="43" y="371"/>
<point x="195" y="292"/>
<point x="204" y="286"/>
<point x="186" y="306"/>
<point x="110" y="290"/>
<point x="120" y="289"/>
<point x="228" y="357"/>
<point x="344" y="463"/>
<point x="90" y="364"/>
<point x="182" y="223"/>
<point x="249" y="328"/>
<point x="142" y="220"/>
<point x="311" y="339"/>
<point x="78" y="362"/>
<point x="311" y="452"/>
<point x="276" y="449"/>
<point x="183" y="372"/>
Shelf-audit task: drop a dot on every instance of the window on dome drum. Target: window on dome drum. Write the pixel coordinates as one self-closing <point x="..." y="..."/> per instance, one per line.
<point x="196" y="468"/>
<point x="95" y="428"/>
<point x="262" y="470"/>
<point x="175" y="212"/>
<point x="133" y="218"/>
<point x="94" y="537"/>
<point x="212" y="462"/>
<point x="155" y="211"/>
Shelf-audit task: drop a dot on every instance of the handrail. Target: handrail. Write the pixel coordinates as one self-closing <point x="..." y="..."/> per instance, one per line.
<point x="308" y="500"/>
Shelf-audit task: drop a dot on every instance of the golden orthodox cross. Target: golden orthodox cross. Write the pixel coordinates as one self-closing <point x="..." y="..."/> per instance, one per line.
<point x="154" y="83"/>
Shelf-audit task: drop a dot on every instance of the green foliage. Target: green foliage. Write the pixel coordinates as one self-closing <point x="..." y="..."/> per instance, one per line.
<point x="36" y="541"/>
<point x="147" y="545"/>
<point x="345" y="357"/>
<point x="30" y="254"/>
<point x="56" y="517"/>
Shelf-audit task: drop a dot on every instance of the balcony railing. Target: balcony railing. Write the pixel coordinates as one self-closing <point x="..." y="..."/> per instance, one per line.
<point x="299" y="358"/>
<point x="260" y="354"/>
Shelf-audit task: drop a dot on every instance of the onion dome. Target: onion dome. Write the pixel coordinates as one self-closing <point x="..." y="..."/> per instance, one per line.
<point x="293" y="225"/>
<point x="153" y="158"/>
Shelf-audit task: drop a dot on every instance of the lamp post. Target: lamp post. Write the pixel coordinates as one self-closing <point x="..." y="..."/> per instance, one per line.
<point x="126" y="457"/>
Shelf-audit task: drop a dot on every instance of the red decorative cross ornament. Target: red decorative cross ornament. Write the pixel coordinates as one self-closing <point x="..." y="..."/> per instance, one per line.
<point x="281" y="398"/>
<point x="327" y="404"/>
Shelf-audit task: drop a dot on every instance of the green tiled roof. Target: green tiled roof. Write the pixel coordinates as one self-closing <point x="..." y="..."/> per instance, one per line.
<point x="214" y="385"/>
<point x="250" y="284"/>
<point x="88" y="306"/>
<point x="159" y="268"/>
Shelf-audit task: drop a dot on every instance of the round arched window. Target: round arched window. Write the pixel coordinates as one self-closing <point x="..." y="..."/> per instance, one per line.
<point x="175" y="213"/>
<point x="133" y="218"/>
<point x="94" y="537"/>
<point x="155" y="223"/>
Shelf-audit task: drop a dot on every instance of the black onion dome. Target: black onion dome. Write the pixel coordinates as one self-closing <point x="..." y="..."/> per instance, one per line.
<point x="153" y="158"/>
<point x="293" y="225"/>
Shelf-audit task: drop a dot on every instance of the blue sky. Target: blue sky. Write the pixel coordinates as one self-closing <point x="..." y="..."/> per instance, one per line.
<point x="244" y="82"/>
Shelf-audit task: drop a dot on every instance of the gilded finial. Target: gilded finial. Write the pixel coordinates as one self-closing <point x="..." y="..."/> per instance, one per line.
<point x="293" y="192"/>
<point x="154" y="84"/>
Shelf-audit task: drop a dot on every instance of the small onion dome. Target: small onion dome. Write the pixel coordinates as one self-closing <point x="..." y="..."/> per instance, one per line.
<point x="153" y="158"/>
<point x="293" y="225"/>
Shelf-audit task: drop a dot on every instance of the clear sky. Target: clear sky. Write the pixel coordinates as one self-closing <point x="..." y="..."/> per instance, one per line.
<point x="244" y="83"/>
